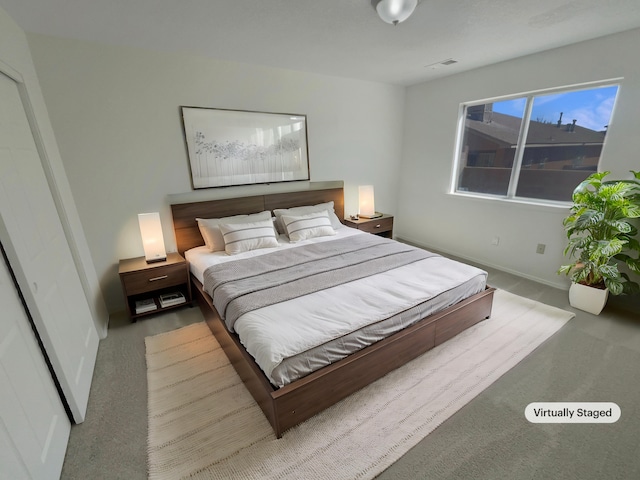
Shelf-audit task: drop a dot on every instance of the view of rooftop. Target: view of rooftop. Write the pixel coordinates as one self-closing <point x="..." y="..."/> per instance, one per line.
<point x="564" y="140"/>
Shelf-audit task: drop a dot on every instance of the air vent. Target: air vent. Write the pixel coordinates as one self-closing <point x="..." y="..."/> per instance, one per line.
<point x="441" y="63"/>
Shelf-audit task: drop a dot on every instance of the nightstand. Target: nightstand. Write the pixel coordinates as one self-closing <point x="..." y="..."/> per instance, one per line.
<point x="143" y="283"/>
<point x="382" y="226"/>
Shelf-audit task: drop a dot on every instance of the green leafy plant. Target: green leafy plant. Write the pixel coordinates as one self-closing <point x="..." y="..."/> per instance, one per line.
<point x="601" y="233"/>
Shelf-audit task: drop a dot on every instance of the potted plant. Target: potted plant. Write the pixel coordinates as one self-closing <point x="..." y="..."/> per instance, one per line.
<point x="601" y="237"/>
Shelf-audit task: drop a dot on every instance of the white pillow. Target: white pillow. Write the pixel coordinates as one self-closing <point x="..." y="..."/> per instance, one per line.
<point x="242" y="237"/>
<point x="211" y="233"/>
<point x="335" y="221"/>
<point x="308" y="226"/>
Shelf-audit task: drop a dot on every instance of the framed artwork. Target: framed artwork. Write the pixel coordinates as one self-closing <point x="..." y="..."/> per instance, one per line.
<point x="236" y="147"/>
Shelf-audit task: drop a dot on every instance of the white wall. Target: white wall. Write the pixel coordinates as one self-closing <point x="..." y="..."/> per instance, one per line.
<point x="15" y="57"/>
<point x="115" y="113"/>
<point x="429" y="216"/>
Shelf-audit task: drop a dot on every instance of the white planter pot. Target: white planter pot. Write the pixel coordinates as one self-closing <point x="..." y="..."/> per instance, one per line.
<point x="589" y="299"/>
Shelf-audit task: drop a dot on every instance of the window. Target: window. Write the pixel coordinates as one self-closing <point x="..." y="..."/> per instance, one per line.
<point x="539" y="146"/>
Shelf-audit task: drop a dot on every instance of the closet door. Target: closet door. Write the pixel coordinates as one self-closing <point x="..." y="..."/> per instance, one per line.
<point x="34" y="428"/>
<point x="36" y="246"/>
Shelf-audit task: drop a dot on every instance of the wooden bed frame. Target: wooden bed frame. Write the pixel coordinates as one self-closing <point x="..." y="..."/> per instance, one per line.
<point x="292" y="404"/>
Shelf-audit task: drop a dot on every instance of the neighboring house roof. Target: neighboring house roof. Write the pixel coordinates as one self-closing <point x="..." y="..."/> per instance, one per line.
<point x="504" y="129"/>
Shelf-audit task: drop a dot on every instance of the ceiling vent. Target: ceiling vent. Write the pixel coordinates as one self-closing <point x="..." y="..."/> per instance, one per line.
<point x="441" y="63"/>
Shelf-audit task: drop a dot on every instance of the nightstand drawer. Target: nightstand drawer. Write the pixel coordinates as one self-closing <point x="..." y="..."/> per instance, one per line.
<point x="377" y="225"/>
<point x="150" y="280"/>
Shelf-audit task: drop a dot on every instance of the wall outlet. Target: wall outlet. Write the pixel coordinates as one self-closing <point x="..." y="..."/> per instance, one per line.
<point x="540" y="248"/>
<point x="495" y="241"/>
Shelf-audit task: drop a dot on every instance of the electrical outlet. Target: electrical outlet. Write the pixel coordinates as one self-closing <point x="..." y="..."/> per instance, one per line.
<point x="540" y="248"/>
<point x="495" y="241"/>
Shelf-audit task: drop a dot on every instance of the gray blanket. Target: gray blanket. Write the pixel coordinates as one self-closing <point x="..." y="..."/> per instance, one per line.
<point x="240" y="286"/>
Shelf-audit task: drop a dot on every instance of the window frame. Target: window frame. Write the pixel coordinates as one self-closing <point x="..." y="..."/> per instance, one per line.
<point x="529" y="98"/>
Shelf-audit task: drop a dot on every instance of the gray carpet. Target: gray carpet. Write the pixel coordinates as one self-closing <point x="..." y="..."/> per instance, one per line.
<point x="590" y="359"/>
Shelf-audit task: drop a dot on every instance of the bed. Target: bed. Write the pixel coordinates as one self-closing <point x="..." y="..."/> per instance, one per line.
<point x="291" y="387"/>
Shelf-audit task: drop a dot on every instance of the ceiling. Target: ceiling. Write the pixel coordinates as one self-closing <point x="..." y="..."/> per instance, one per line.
<point x="343" y="38"/>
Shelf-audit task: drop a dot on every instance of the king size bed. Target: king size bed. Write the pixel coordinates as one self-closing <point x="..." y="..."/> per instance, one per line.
<point x="308" y="310"/>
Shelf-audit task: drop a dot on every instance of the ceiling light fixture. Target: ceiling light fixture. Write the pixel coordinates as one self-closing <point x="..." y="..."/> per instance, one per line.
<point x="394" y="11"/>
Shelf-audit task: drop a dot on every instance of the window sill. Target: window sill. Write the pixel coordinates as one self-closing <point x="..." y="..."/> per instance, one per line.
<point x="526" y="202"/>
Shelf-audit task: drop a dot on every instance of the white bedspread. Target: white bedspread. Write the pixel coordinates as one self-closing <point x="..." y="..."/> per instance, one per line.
<point x="287" y="330"/>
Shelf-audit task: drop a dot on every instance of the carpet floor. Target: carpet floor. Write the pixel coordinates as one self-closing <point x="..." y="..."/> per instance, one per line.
<point x="203" y="423"/>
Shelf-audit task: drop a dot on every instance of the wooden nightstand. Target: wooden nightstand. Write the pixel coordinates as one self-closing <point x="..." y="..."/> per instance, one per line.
<point x="382" y="226"/>
<point x="147" y="281"/>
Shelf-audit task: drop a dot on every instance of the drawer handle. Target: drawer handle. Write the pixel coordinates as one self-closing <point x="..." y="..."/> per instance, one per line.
<point x="378" y="226"/>
<point x="154" y="279"/>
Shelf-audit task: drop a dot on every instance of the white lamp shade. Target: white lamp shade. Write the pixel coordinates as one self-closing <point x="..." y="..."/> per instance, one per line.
<point x="366" y="207"/>
<point x="395" y="11"/>
<point x="152" y="239"/>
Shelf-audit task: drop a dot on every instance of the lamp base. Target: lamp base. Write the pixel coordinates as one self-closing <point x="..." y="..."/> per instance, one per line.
<point x="374" y="215"/>
<point x="154" y="260"/>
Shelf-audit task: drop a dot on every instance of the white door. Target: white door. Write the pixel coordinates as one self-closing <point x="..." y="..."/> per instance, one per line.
<point x="34" y="428"/>
<point x="34" y="240"/>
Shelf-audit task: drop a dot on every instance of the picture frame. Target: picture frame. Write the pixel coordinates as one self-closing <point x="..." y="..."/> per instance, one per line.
<point x="241" y="147"/>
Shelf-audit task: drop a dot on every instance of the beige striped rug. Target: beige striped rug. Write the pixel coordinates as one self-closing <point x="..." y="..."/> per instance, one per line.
<point x="204" y="424"/>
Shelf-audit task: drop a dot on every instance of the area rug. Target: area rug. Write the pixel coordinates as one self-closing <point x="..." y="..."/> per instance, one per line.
<point x="203" y="423"/>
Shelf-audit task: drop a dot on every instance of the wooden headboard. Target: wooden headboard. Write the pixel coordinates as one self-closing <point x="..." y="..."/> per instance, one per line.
<point x="185" y="214"/>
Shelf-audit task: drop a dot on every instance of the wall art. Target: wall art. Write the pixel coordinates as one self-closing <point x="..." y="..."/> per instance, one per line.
<point x="236" y="147"/>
